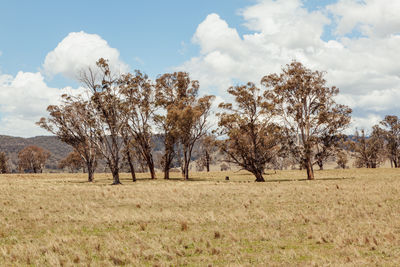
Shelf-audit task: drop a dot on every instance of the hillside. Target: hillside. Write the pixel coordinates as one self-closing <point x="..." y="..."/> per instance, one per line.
<point x="12" y="145"/>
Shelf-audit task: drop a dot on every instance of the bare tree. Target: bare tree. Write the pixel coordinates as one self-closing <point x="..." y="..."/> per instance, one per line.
<point x="108" y="121"/>
<point x="73" y="123"/>
<point x="207" y="148"/>
<point x="306" y="107"/>
<point x="32" y="158"/>
<point x="251" y="138"/>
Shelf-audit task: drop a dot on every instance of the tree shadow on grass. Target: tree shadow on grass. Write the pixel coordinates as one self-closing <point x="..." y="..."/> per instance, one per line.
<point x="304" y="179"/>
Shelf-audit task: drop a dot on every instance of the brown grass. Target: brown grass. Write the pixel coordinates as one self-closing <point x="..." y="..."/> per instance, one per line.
<point x="345" y="217"/>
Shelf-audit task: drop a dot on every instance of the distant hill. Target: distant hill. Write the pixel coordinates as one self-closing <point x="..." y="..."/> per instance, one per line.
<point x="12" y="145"/>
<point x="59" y="150"/>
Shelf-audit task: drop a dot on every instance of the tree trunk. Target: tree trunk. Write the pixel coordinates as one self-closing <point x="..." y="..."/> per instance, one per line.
<point x="90" y="174"/>
<point x="115" y="174"/>
<point x="168" y="157"/>
<point x="166" y="172"/>
<point x="310" y="171"/>
<point x="320" y="164"/>
<point x="150" y="164"/>
<point x="131" y="167"/>
<point x="259" y="177"/>
<point x="207" y="161"/>
<point x="186" y="171"/>
<point x="90" y="165"/>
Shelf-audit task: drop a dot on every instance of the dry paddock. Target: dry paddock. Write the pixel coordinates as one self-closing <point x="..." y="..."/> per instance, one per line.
<point x="345" y="217"/>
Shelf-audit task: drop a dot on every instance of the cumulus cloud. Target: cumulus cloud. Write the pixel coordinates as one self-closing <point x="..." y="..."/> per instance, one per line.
<point x="23" y="100"/>
<point x="24" y="97"/>
<point x="372" y="18"/>
<point x="362" y="65"/>
<point x="79" y="50"/>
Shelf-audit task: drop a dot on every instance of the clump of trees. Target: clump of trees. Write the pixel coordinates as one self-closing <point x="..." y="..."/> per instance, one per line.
<point x="293" y="117"/>
<point x="115" y="119"/>
<point x="383" y="142"/>
<point x="32" y="158"/>
<point x="296" y="115"/>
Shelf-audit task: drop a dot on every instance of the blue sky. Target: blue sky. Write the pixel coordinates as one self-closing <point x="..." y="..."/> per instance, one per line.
<point x="220" y="42"/>
<point x="150" y="35"/>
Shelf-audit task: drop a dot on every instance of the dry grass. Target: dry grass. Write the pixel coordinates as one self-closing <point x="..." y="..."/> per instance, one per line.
<point x="349" y="217"/>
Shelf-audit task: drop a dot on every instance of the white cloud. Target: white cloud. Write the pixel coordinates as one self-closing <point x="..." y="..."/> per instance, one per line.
<point x="364" y="123"/>
<point x="372" y="18"/>
<point x="23" y="100"/>
<point x="79" y="50"/>
<point x="366" y="69"/>
<point x="25" y="97"/>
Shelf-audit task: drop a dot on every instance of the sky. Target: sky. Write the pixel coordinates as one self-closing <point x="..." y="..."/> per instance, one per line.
<point x="44" y="44"/>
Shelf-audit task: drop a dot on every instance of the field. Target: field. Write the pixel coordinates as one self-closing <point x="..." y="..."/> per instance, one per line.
<point x="345" y="217"/>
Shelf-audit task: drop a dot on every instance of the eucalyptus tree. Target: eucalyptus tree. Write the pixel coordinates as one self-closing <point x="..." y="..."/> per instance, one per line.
<point x="138" y="106"/>
<point x="106" y="107"/>
<point x="186" y="115"/>
<point x="249" y="138"/>
<point x="307" y="108"/>
<point x="72" y="122"/>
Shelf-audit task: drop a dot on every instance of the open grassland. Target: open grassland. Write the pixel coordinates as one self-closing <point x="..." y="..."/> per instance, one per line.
<point x="345" y="217"/>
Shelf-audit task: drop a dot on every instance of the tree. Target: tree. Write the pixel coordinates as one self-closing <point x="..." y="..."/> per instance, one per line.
<point x="307" y="108"/>
<point x="251" y="138"/>
<point x="73" y="161"/>
<point x="3" y="163"/>
<point x="32" y="158"/>
<point x="138" y="108"/>
<point x="73" y="123"/>
<point x="207" y="148"/>
<point x="391" y="133"/>
<point x="192" y="125"/>
<point x="106" y="114"/>
<point x="369" y="151"/>
<point x="341" y="159"/>
<point x="185" y="118"/>
<point x="327" y="146"/>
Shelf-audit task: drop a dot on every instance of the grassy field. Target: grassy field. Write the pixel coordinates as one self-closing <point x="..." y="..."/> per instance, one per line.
<point x="345" y="217"/>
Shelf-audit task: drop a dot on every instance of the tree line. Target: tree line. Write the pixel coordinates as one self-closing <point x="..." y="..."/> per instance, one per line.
<point x="292" y="116"/>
